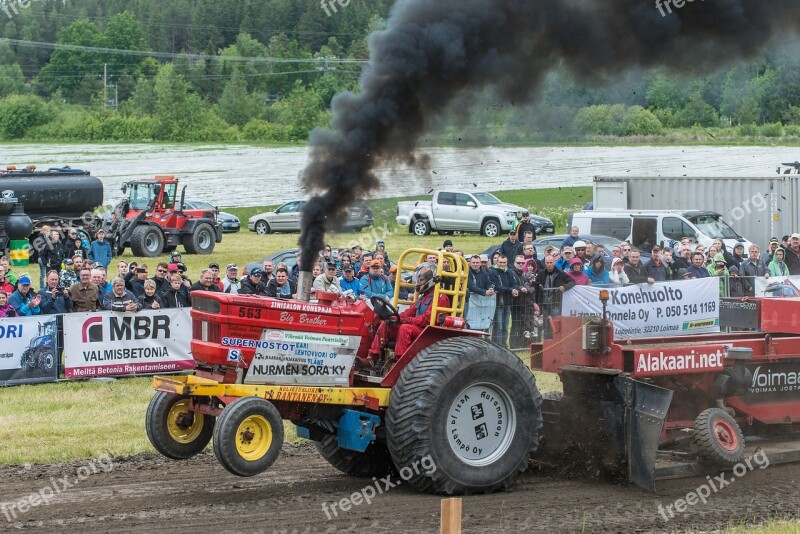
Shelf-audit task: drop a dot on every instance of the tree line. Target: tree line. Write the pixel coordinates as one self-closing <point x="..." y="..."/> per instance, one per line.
<point x="222" y="71"/>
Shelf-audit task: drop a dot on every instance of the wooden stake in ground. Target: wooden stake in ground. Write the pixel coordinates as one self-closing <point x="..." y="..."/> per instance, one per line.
<point x="451" y="516"/>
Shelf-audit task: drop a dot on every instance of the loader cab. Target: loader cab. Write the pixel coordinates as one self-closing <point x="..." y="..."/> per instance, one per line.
<point x="161" y="191"/>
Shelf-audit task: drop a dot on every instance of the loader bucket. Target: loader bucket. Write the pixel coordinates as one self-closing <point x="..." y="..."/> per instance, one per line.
<point x="646" y="409"/>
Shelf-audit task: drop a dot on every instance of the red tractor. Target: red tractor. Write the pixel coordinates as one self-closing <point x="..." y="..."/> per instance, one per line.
<point x="149" y="222"/>
<point x="669" y="407"/>
<point x="464" y="409"/>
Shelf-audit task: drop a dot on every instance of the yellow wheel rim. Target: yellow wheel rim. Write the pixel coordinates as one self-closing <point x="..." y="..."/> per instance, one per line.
<point x="253" y="438"/>
<point x="177" y="420"/>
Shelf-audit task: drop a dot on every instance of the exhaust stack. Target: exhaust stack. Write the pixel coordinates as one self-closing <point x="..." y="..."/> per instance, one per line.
<point x="304" y="282"/>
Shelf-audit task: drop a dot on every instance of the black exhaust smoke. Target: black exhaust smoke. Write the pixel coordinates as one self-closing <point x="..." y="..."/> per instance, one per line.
<point x="433" y="50"/>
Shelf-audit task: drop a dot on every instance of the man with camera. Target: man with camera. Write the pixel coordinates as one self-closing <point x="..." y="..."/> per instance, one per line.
<point x="55" y="298"/>
<point x="120" y="299"/>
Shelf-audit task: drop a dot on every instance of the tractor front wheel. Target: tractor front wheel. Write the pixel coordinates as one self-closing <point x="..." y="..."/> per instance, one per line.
<point x="373" y="462"/>
<point x="174" y="429"/>
<point x="718" y="438"/>
<point x="201" y="241"/>
<point x="147" y="242"/>
<point x="248" y="436"/>
<point x="463" y="417"/>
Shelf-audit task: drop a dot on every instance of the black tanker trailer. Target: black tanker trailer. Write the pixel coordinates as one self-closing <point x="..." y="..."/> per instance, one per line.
<point x="59" y="197"/>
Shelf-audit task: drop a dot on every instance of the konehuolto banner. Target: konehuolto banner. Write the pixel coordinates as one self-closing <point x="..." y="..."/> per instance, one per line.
<point x="122" y="343"/>
<point x="30" y="349"/>
<point x="643" y="310"/>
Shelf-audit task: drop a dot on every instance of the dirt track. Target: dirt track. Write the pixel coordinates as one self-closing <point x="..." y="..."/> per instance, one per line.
<point x="147" y="493"/>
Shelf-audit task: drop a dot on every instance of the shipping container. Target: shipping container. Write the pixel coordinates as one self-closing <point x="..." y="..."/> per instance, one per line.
<point x="756" y="207"/>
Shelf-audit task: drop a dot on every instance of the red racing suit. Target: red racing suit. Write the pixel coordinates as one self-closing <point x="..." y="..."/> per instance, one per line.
<point x="412" y="322"/>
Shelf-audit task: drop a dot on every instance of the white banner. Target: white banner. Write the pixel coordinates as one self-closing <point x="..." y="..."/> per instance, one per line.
<point x="778" y="286"/>
<point x="122" y="343"/>
<point x="658" y="310"/>
<point x="305" y="358"/>
<point x="29" y="349"/>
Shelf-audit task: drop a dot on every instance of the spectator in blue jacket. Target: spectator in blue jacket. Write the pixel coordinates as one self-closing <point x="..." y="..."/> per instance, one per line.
<point x="574" y="235"/>
<point x="100" y="250"/>
<point x="375" y="282"/>
<point x="349" y="282"/>
<point x="567" y="254"/>
<point x="597" y="272"/>
<point x="24" y="300"/>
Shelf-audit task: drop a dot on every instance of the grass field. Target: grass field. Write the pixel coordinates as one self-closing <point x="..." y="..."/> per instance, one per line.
<point x="73" y="420"/>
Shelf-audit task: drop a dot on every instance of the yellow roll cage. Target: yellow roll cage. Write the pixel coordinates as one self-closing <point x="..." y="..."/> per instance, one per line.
<point x="457" y="270"/>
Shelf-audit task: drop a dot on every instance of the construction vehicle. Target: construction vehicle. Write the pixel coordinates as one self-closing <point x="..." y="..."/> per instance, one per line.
<point x="660" y="408"/>
<point x="148" y="222"/>
<point x="453" y="400"/>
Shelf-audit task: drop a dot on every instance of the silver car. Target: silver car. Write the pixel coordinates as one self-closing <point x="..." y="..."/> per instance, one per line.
<point x="287" y="218"/>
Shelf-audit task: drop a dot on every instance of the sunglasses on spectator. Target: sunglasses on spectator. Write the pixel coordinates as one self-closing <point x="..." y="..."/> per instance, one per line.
<point x="626" y="250"/>
<point x="162" y="270"/>
<point x="519" y="263"/>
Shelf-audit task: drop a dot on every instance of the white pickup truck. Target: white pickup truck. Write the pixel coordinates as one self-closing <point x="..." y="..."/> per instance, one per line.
<point x="452" y="211"/>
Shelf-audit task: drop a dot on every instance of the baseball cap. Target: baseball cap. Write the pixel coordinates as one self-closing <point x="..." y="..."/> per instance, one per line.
<point x="172" y="267"/>
<point x="257" y="272"/>
<point x="182" y="267"/>
<point x="24" y="281"/>
<point x="232" y="266"/>
<point x="774" y="240"/>
<point x="393" y="269"/>
<point x="348" y="267"/>
<point x="376" y="263"/>
<point x="526" y="213"/>
<point x="738" y="245"/>
<point x="447" y="243"/>
<point x="330" y="265"/>
<point x="213" y="265"/>
<point x="484" y="257"/>
<point x="785" y="237"/>
<point x="795" y="236"/>
<point x="579" y="244"/>
<point x="68" y="262"/>
<point x="681" y="272"/>
<point x="73" y="231"/>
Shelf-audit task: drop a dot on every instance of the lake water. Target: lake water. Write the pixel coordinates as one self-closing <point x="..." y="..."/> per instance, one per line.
<point x="238" y="176"/>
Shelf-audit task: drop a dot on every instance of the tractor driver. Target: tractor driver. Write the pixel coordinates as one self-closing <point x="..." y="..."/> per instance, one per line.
<point x="411" y="321"/>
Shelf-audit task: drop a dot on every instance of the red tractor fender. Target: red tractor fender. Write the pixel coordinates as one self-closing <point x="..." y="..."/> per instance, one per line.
<point x="429" y="336"/>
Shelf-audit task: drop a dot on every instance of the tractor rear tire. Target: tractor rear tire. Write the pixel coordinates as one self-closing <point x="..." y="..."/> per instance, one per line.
<point x="248" y="436"/>
<point x="173" y="429"/>
<point x="463" y="417"/>
<point x="718" y="438"/>
<point x="147" y="242"/>
<point x="201" y="241"/>
<point x="376" y="461"/>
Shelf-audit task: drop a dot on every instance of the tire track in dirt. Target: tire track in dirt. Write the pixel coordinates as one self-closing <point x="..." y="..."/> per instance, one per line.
<point x="147" y="493"/>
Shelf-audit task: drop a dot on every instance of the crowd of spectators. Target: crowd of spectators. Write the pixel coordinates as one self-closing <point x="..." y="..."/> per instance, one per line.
<point x="523" y="286"/>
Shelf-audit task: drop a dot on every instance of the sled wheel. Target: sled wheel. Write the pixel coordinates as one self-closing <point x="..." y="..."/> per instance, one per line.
<point x="373" y="462"/>
<point x="248" y="436"/>
<point x="463" y="417"/>
<point x="174" y="430"/>
<point x="718" y="438"/>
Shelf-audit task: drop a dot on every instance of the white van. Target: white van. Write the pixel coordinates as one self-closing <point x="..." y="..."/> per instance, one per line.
<point x="658" y="226"/>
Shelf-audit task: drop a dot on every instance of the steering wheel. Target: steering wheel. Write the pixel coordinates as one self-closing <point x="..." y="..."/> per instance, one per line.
<point x="384" y="308"/>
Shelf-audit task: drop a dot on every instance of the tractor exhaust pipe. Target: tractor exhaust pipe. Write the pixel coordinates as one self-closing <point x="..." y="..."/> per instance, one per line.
<point x="304" y="282"/>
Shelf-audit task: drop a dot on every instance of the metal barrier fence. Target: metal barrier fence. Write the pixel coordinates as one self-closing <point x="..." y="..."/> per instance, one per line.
<point x="527" y="318"/>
